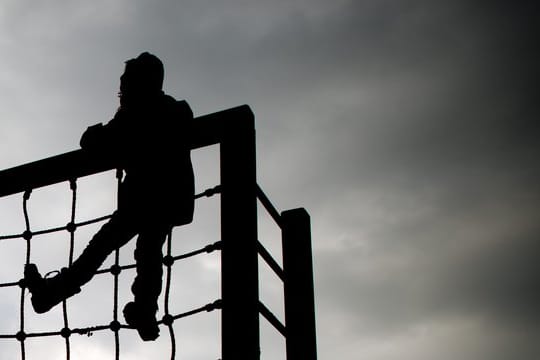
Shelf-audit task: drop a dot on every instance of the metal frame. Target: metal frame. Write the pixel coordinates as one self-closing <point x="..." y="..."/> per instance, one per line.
<point x="234" y="131"/>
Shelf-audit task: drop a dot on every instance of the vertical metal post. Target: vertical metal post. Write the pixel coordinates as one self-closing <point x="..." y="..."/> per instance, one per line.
<point x="299" y="295"/>
<point x="239" y="259"/>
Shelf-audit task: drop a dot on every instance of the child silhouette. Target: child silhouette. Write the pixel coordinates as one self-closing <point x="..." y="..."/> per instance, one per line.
<point x="148" y="138"/>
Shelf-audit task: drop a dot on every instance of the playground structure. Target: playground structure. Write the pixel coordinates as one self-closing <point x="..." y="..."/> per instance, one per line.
<point x="240" y="306"/>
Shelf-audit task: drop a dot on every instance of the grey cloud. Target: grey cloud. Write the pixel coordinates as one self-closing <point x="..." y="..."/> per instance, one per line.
<point x="408" y="130"/>
<point x="449" y="148"/>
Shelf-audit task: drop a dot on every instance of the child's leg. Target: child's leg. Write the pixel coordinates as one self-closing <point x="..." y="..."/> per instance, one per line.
<point x="146" y="288"/>
<point x="149" y="259"/>
<point x="48" y="292"/>
<point x="113" y="235"/>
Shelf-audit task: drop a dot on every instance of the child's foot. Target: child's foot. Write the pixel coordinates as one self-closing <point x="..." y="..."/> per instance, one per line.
<point x="142" y="319"/>
<point x="47" y="292"/>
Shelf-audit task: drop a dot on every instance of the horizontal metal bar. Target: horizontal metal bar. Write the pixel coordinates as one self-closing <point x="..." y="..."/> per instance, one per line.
<point x="208" y="130"/>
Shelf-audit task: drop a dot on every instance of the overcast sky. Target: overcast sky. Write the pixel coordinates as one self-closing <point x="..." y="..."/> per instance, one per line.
<point x="408" y="130"/>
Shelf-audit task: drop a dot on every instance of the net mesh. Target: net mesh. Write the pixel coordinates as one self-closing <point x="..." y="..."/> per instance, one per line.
<point x="115" y="326"/>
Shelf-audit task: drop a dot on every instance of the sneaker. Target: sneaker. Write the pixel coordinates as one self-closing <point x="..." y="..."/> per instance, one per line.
<point x="143" y="320"/>
<point x="47" y="292"/>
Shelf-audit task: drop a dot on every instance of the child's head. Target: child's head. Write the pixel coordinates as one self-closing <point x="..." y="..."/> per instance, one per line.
<point x="143" y="76"/>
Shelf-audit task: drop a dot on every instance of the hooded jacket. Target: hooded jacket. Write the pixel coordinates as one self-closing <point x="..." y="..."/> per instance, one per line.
<point x="151" y="142"/>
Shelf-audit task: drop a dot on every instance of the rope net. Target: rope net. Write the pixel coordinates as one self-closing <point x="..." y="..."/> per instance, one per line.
<point x="21" y="335"/>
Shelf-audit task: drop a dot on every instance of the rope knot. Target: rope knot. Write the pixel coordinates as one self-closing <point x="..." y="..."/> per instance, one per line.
<point x="27" y="235"/>
<point x="168" y="260"/>
<point x="21" y="336"/>
<point x="168" y="319"/>
<point x="116" y="269"/>
<point x="65" y="332"/>
<point x="71" y="227"/>
<point x="114" y="326"/>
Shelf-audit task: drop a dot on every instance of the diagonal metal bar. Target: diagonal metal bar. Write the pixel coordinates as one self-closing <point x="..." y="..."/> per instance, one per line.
<point x="267" y="257"/>
<point x="268" y="206"/>
<point x="272" y="319"/>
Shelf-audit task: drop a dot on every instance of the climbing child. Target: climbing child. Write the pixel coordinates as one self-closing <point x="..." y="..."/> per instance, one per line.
<point x="149" y="139"/>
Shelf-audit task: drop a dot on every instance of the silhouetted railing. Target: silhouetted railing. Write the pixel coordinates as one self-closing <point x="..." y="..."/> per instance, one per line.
<point x="297" y="276"/>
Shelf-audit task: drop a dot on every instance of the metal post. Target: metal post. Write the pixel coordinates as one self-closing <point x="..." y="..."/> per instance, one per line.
<point x="299" y="295"/>
<point x="239" y="261"/>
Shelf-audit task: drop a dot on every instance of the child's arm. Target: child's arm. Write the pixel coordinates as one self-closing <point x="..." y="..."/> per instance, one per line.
<point x="92" y="136"/>
<point x="103" y="137"/>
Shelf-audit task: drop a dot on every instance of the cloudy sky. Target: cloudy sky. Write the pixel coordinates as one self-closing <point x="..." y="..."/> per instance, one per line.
<point x="406" y="128"/>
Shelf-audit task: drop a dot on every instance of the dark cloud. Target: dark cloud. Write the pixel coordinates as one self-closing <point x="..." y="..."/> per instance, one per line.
<point x="441" y="166"/>
<point x="408" y="130"/>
